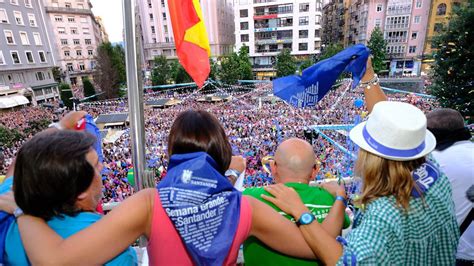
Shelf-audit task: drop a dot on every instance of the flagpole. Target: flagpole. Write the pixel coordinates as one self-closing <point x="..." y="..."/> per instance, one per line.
<point x="135" y="93"/>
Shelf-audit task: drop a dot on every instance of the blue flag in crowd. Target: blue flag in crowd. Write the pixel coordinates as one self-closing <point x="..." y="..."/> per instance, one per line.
<point x="92" y="128"/>
<point x="317" y="80"/>
<point x="195" y="196"/>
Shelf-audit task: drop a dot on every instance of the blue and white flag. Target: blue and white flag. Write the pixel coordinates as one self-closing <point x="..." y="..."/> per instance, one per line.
<point x="92" y="128"/>
<point x="317" y="80"/>
<point x="203" y="206"/>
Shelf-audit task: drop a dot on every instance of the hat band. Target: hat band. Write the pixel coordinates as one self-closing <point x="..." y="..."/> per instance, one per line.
<point x="390" y="151"/>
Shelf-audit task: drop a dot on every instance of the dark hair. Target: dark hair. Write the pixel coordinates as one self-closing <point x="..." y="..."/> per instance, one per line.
<point x="198" y="130"/>
<point x="51" y="171"/>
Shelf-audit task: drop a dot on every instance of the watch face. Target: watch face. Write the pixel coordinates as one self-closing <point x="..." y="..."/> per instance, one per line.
<point x="306" y="218"/>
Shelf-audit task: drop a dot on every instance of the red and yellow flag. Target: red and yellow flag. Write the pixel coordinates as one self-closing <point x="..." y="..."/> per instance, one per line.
<point x="190" y="36"/>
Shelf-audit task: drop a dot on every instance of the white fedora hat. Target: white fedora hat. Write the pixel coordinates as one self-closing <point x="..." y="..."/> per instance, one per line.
<point x="395" y="131"/>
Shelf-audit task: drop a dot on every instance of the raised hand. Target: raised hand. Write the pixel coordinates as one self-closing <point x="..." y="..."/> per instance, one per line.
<point x="7" y="203"/>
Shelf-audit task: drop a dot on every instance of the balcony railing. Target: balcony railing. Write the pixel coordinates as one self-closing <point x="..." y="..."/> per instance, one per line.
<point x="69" y="10"/>
<point x="263" y="1"/>
<point x="397" y="26"/>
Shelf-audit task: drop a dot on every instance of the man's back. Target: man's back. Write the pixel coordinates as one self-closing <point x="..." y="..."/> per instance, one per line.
<point x="318" y="200"/>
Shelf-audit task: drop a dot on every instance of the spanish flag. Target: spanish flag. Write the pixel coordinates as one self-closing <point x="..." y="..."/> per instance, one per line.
<point x="192" y="44"/>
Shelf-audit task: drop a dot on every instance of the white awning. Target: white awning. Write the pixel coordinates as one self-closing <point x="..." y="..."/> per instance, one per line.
<point x="12" y="101"/>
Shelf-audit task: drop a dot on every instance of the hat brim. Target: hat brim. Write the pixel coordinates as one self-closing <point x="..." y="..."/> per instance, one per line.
<point x="357" y="137"/>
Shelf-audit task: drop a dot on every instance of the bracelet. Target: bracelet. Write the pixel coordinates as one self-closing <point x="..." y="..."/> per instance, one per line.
<point x="18" y="212"/>
<point x="372" y="81"/>
<point x="56" y="125"/>
<point x="341" y="198"/>
<point x="232" y="172"/>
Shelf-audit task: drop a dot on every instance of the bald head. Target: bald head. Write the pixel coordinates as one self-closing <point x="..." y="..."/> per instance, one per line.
<point x="295" y="161"/>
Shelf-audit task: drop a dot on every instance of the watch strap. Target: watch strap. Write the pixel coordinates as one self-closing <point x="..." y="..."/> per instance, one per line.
<point x="341" y="198"/>
<point x="233" y="172"/>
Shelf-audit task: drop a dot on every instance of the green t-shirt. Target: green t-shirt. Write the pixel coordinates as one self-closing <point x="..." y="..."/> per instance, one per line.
<point x="319" y="202"/>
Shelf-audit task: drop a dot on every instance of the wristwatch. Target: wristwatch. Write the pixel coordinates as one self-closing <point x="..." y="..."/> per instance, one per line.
<point x="232" y="172"/>
<point x="305" y="219"/>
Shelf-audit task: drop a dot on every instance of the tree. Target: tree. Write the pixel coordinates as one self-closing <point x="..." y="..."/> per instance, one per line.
<point x="8" y="136"/>
<point x="178" y="74"/>
<point x="331" y="50"/>
<point x="110" y="70"/>
<point x="66" y="94"/>
<point x="89" y="89"/>
<point x="378" y="46"/>
<point x="285" y="63"/>
<point x="245" y="65"/>
<point x="230" y="71"/>
<point x="305" y="64"/>
<point x="452" y="73"/>
<point x="214" y="69"/>
<point x="56" y="73"/>
<point x="161" y="72"/>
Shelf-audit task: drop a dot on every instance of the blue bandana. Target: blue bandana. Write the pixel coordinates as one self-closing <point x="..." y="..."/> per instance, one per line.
<point x="425" y="176"/>
<point x="203" y="206"/>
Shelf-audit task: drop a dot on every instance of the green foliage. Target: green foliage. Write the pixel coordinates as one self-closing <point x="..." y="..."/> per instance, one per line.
<point x="56" y="73"/>
<point x="161" y="72"/>
<point x="36" y="126"/>
<point x="66" y="94"/>
<point x="452" y="73"/>
<point x="110" y="70"/>
<point x="331" y="50"/>
<point x="89" y="89"/>
<point x="378" y="46"/>
<point x="245" y="65"/>
<point x="285" y="63"/>
<point x="236" y="66"/>
<point x="214" y="69"/>
<point x="8" y="136"/>
<point x="178" y="73"/>
<point x="305" y="64"/>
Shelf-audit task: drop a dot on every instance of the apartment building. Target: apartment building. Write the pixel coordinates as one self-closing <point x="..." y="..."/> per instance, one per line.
<point x="157" y="32"/>
<point x="27" y="54"/>
<point x="77" y="34"/>
<point x="334" y="22"/>
<point x="440" y="12"/>
<point x="269" y="26"/>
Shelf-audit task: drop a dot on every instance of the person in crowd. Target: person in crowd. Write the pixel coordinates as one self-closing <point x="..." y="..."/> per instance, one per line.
<point x="454" y="153"/>
<point x="407" y="211"/>
<point x="58" y="174"/>
<point x="194" y="216"/>
<point x="295" y="166"/>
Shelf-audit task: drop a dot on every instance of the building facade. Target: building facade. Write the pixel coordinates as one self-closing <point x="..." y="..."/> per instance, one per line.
<point x="77" y="35"/>
<point x="27" y="51"/>
<point x="334" y="22"/>
<point x="269" y="26"/>
<point x="157" y="31"/>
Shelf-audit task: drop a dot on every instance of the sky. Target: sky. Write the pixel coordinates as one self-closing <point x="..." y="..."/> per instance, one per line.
<point x="111" y="13"/>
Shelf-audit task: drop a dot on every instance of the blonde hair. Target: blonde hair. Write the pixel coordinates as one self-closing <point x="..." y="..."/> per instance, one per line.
<point x="384" y="177"/>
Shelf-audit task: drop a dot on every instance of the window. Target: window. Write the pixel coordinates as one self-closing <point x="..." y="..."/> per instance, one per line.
<point x="79" y="52"/>
<point x="88" y="41"/>
<point x="378" y="22"/>
<point x="18" y="18"/>
<point x="90" y="52"/>
<point x="80" y="6"/>
<point x="74" y="31"/>
<point x="162" y="3"/>
<point x="67" y="5"/>
<point x="55" y="3"/>
<point x="3" y="16"/>
<point x="165" y="29"/>
<point x="304" y="21"/>
<point x="62" y="30"/>
<point x="71" y="19"/>
<point x="58" y="18"/>
<point x="28" y="3"/>
<point x="417" y="20"/>
<point x="152" y="29"/>
<point x="39" y="75"/>
<point x="67" y="53"/>
<point x="418" y="4"/>
<point x="76" y="41"/>
<point x="149" y="3"/>
<point x="244" y="25"/>
<point x="303" y="46"/>
<point x="244" y="13"/>
<point x="64" y="41"/>
<point x="70" y="67"/>
<point x="303" y="34"/>
<point x="317" y="33"/>
<point x="379" y="8"/>
<point x="304" y="7"/>
<point x="438" y="27"/>
<point x="151" y="16"/>
<point x="317" y="19"/>
<point x="29" y="57"/>
<point x="85" y="31"/>
<point x="82" y="66"/>
<point x="319" y="6"/>
<point x="412" y="49"/>
<point x="9" y="36"/>
<point x="24" y="38"/>
<point x="14" y="2"/>
<point x="83" y="20"/>
<point x="414" y="35"/>
<point x="32" y="20"/>
<point x="37" y="38"/>
<point x="15" y="57"/>
<point x="244" y="38"/>
<point x="441" y="10"/>
<point x="154" y="40"/>
<point x="164" y="16"/>
<point x="2" y="58"/>
<point x="42" y="56"/>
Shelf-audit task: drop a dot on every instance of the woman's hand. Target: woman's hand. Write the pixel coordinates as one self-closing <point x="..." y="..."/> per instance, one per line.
<point x="369" y="71"/>
<point x="286" y="199"/>
<point x="70" y="120"/>
<point x="7" y="203"/>
<point x="238" y="163"/>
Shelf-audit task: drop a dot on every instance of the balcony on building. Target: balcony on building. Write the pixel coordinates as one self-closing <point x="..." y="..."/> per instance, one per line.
<point x="68" y="10"/>
<point x="263" y="1"/>
<point x="268" y="12"/>
<point x="399" y="9"/>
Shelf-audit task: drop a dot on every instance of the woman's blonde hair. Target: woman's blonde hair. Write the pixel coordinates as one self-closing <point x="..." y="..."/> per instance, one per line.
<point x="383" y="177"/>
